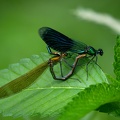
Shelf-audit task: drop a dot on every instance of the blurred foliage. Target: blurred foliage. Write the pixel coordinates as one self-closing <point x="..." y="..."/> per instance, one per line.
<point x="20" y="21"/>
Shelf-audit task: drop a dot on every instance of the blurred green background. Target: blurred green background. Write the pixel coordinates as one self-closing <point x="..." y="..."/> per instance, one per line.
<point x="21" y="19"/>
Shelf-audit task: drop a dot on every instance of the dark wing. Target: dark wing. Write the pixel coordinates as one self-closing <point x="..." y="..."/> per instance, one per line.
<point x="58" y="41"/>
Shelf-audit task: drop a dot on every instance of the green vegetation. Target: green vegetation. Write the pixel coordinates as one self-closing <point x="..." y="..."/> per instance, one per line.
<point x="47" y="98"/>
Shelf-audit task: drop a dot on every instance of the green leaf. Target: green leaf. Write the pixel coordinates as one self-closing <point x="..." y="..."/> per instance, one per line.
<point x="117" y="58"/>
<point x="90" y="99"/>
<point x="46" y="97"/>
<point x="114" y="107"/>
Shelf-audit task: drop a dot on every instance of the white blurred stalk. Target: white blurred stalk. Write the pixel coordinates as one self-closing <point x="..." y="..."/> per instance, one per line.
<point x="99" y="18"/>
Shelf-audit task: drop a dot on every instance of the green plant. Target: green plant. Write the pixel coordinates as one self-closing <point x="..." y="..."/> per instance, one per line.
<point x="71" y="99"/>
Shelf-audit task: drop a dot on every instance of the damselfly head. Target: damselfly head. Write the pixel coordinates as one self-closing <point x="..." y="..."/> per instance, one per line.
<point x="100" y="52"/>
